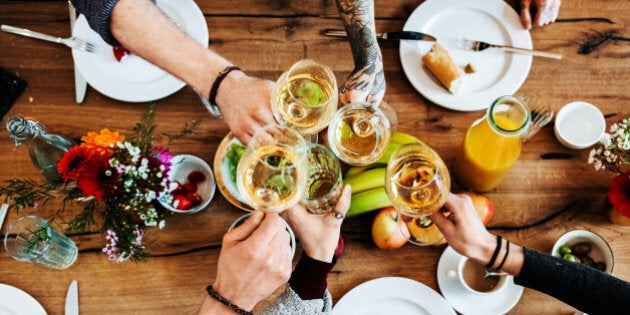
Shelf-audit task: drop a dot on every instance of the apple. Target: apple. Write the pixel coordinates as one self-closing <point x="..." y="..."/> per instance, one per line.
<point x="483" y="206"/>
<point x="387" y="232"/>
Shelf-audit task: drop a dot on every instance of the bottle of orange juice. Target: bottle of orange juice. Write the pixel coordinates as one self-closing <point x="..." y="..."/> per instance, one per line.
<point x="492" y="144"/>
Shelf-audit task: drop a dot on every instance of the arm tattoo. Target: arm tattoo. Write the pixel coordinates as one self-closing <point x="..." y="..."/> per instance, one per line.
<point x="358" y="19"/>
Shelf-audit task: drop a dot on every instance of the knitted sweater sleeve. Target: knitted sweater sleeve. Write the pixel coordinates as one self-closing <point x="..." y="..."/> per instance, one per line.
<point x="99" y="16"/>
<point x="578" y="285"/>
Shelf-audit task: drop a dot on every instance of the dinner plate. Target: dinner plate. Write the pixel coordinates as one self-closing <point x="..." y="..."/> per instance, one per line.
<point x="468" y="303"/>
<point x="392" y="295"/>
<point x="226" y="186"/>
<point x="134" y="79"/>
<point x="16" y="301"/>
<point x="497" y="72"/>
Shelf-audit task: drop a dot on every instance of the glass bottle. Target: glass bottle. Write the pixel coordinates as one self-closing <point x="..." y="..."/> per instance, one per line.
<point x="492" y="144"/>
<point x="44" y="149"/>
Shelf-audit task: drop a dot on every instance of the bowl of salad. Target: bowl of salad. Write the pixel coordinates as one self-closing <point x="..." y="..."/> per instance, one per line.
<point x="226" y="160"/>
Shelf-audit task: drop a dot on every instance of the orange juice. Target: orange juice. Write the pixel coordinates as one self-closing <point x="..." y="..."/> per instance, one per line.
<point x="490" y="148"/>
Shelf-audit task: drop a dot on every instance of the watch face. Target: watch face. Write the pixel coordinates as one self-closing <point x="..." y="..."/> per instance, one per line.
<point x="212" y="108"/>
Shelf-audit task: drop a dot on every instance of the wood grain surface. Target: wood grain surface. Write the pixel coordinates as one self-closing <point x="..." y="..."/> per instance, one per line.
<point x="264" y="38"/>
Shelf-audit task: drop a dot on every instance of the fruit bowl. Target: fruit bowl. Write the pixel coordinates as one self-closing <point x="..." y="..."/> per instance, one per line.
<point x="600" y="251"/>
<point x="197" y="184"/>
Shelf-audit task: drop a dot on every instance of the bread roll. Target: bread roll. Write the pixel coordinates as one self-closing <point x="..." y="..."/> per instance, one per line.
<point x="444" y="68"/>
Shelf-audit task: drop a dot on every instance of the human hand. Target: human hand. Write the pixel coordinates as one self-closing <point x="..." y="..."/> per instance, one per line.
<point x="546" y="11"/>
<point x="459" y="223"/>
<point x="255" y="260"/>
<point x="319" y="234"/>
<point x="245" y="104"/>
<point x="365" y="84"/>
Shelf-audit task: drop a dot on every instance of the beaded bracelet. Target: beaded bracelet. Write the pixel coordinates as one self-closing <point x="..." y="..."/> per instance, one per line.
<point x="496" y="252"/>
<point x="227" y="302"/>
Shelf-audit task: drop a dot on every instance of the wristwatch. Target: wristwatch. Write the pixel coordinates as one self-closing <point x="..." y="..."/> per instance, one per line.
<point x="212" y="108"/>
<point x="210" y="102"/>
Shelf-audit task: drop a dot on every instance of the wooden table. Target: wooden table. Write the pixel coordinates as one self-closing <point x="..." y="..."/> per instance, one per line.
<point x="265" y="39"/>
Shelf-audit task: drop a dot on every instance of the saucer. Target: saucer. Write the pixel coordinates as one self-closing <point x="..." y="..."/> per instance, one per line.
<point x="465" y="302"/>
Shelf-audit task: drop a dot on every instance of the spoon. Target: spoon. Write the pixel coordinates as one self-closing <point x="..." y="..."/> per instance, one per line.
<point x="495" y="273"/>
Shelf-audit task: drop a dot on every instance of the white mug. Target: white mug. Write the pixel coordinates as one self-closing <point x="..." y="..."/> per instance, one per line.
<point x="579" y="125"/>
<point x="243" y="218"/>
<point x="471" y="275"/>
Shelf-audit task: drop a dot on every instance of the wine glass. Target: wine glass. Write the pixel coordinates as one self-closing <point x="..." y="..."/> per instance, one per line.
<point x="305" y="98"/>
<point x="271" y="174"/>
<point x="359" y="132"/>
<point x="418" y="184"/>
<point x="324" y="183"/>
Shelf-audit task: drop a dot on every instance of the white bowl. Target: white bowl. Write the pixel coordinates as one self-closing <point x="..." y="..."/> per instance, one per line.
<point x="579" y="125"/>
<point x="181" y="166"/>
<point x="600" y="250"/>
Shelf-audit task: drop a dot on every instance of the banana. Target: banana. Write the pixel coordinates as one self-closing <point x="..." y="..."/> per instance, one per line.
<point x="368" y="200"/>
<point x="403" y="138"/>
<point x="391" y="148"/>
<point x="367" y="180"/>
<point x="355" y="170"/>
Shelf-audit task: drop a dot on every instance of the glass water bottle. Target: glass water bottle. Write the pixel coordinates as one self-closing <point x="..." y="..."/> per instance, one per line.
<point x="492" y="144"/>
<point x="45" y="149"/>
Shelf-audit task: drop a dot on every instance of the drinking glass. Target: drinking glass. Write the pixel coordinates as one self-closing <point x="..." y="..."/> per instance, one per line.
<point x="324" y="182"/>
<point x="305" y="97"/>
<point x="271" y="173"/>
<point x="33" y="239"/>
<point x="359" y="132"/>
<point x="418" y="184"/>
<point x="244" y="218"/>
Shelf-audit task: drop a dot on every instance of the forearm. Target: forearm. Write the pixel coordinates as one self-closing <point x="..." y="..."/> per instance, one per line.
<point x="143" y="29"/>
<point x="358" y="19"/>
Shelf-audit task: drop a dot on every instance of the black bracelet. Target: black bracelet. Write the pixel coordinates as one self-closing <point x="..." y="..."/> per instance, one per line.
<point x="217" y="82"/>
<point x="496" y="252"/>
<point x="507" y="251"/>
<point x="226" y="302"/>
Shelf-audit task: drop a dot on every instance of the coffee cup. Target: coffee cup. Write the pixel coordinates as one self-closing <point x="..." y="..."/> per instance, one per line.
<point x="472" y="277"/>
<point x="244" y="218"/>
<point x="579" y="125"/>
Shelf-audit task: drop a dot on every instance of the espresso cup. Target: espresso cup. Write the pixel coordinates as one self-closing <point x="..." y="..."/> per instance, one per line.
<point x="472" y="277"/>
<point x="244" y="218"/>
<point x="579" y="125"/>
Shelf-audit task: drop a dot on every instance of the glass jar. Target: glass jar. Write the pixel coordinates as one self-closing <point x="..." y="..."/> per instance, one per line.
<point x="492" y="144"/>
<point x="44" y="149"/>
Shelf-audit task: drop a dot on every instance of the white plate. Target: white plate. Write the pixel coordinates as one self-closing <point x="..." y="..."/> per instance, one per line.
<point x="392" y="295"/>
<point x="16" y="301"/>
<point x="468" y="303"/>
<point x="135" y="79"/>
<point x="221" y="167"/>
<point x="497" y="72"/>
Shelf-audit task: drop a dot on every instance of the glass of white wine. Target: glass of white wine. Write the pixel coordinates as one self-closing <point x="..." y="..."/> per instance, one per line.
<point x="324" y="183"/>
<point x="359" y="132"/>
<point x="418" y="184"/>
<point x="305" y="97"/>
<point x="271" y="174"/>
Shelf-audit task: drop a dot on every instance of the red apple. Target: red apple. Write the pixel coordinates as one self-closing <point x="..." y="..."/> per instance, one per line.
<point x="483" y="206"/>
<point x="387" y="232"/>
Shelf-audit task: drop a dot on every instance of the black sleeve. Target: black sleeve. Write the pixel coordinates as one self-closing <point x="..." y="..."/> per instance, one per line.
<point x="578" y="285"/>
<point x="99" y="16"/>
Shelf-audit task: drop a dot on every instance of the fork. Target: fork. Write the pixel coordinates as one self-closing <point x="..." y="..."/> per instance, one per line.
<point x="72" y="42"/>
<point x="474" y="45"/>
<point x="541" y="116"/>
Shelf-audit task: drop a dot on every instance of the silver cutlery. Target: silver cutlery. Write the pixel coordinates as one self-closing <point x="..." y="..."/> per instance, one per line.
<point x="72" y="42"/>
<point x="540" y="118"/>
<point x="495" y="273"/>
<point x="72" y="299"/>
<point x="474" y="45"/>
<point x="402" y="35"/>
<point x="3" y="213"/>
<point x="80" y="84"/>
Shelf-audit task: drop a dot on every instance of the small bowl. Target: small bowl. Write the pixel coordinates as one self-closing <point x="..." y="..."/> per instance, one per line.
<point x="600" y="250"/>
<point x="181" y="166"/>
<point x="579" y="125"/>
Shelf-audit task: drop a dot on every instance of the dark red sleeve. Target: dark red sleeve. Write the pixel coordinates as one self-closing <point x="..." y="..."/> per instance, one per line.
<point x="308" y="279"/>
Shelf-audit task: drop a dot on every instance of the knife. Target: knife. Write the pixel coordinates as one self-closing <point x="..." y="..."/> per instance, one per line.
<point x="411" y="35"/>
<point x="80" y="85"/>
<point x="72" y="299"/>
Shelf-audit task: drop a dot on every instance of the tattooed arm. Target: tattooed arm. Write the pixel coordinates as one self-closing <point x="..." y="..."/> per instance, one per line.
<point x="367" y="80"/>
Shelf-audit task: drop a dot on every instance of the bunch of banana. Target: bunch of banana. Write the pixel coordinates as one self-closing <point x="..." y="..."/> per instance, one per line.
<point x="368" y="182"/>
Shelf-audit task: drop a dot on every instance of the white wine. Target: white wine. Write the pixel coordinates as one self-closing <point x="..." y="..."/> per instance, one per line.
<point x="358" y="135"/>
<point x="271" y="177"/>
<point x="305" y="98"/>
<point x="324" y="183"/>
<point x="418" y="182"/>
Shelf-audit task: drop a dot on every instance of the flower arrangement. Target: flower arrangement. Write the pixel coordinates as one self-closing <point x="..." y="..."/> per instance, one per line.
<point x="117" y="178"/>
<point x="613" y="154"/>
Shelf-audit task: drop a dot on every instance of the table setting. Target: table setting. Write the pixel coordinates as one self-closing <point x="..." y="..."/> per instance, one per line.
<point x="160" y="259"/>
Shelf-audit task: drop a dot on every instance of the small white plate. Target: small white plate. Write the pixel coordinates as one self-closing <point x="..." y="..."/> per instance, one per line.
<point x="497" y="72"/>
<point x="392" y="295"/>
<point x="134" y="79"/>
<point x="221" y="167"/>
<point x="466" y="302"/>
<point x="16" y="301"/>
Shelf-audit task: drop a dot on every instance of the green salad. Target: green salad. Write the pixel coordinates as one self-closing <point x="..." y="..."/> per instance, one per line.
<point x="233" y="155"/>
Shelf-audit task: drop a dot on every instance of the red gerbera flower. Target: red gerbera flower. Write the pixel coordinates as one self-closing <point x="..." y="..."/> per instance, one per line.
<point x="619" y="193"/>
<point x="73" y="163"/>
<point x="94" y="178"/>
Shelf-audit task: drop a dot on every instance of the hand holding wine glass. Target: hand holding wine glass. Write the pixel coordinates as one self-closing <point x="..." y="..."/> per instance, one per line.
<point x="418" y="184"/>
